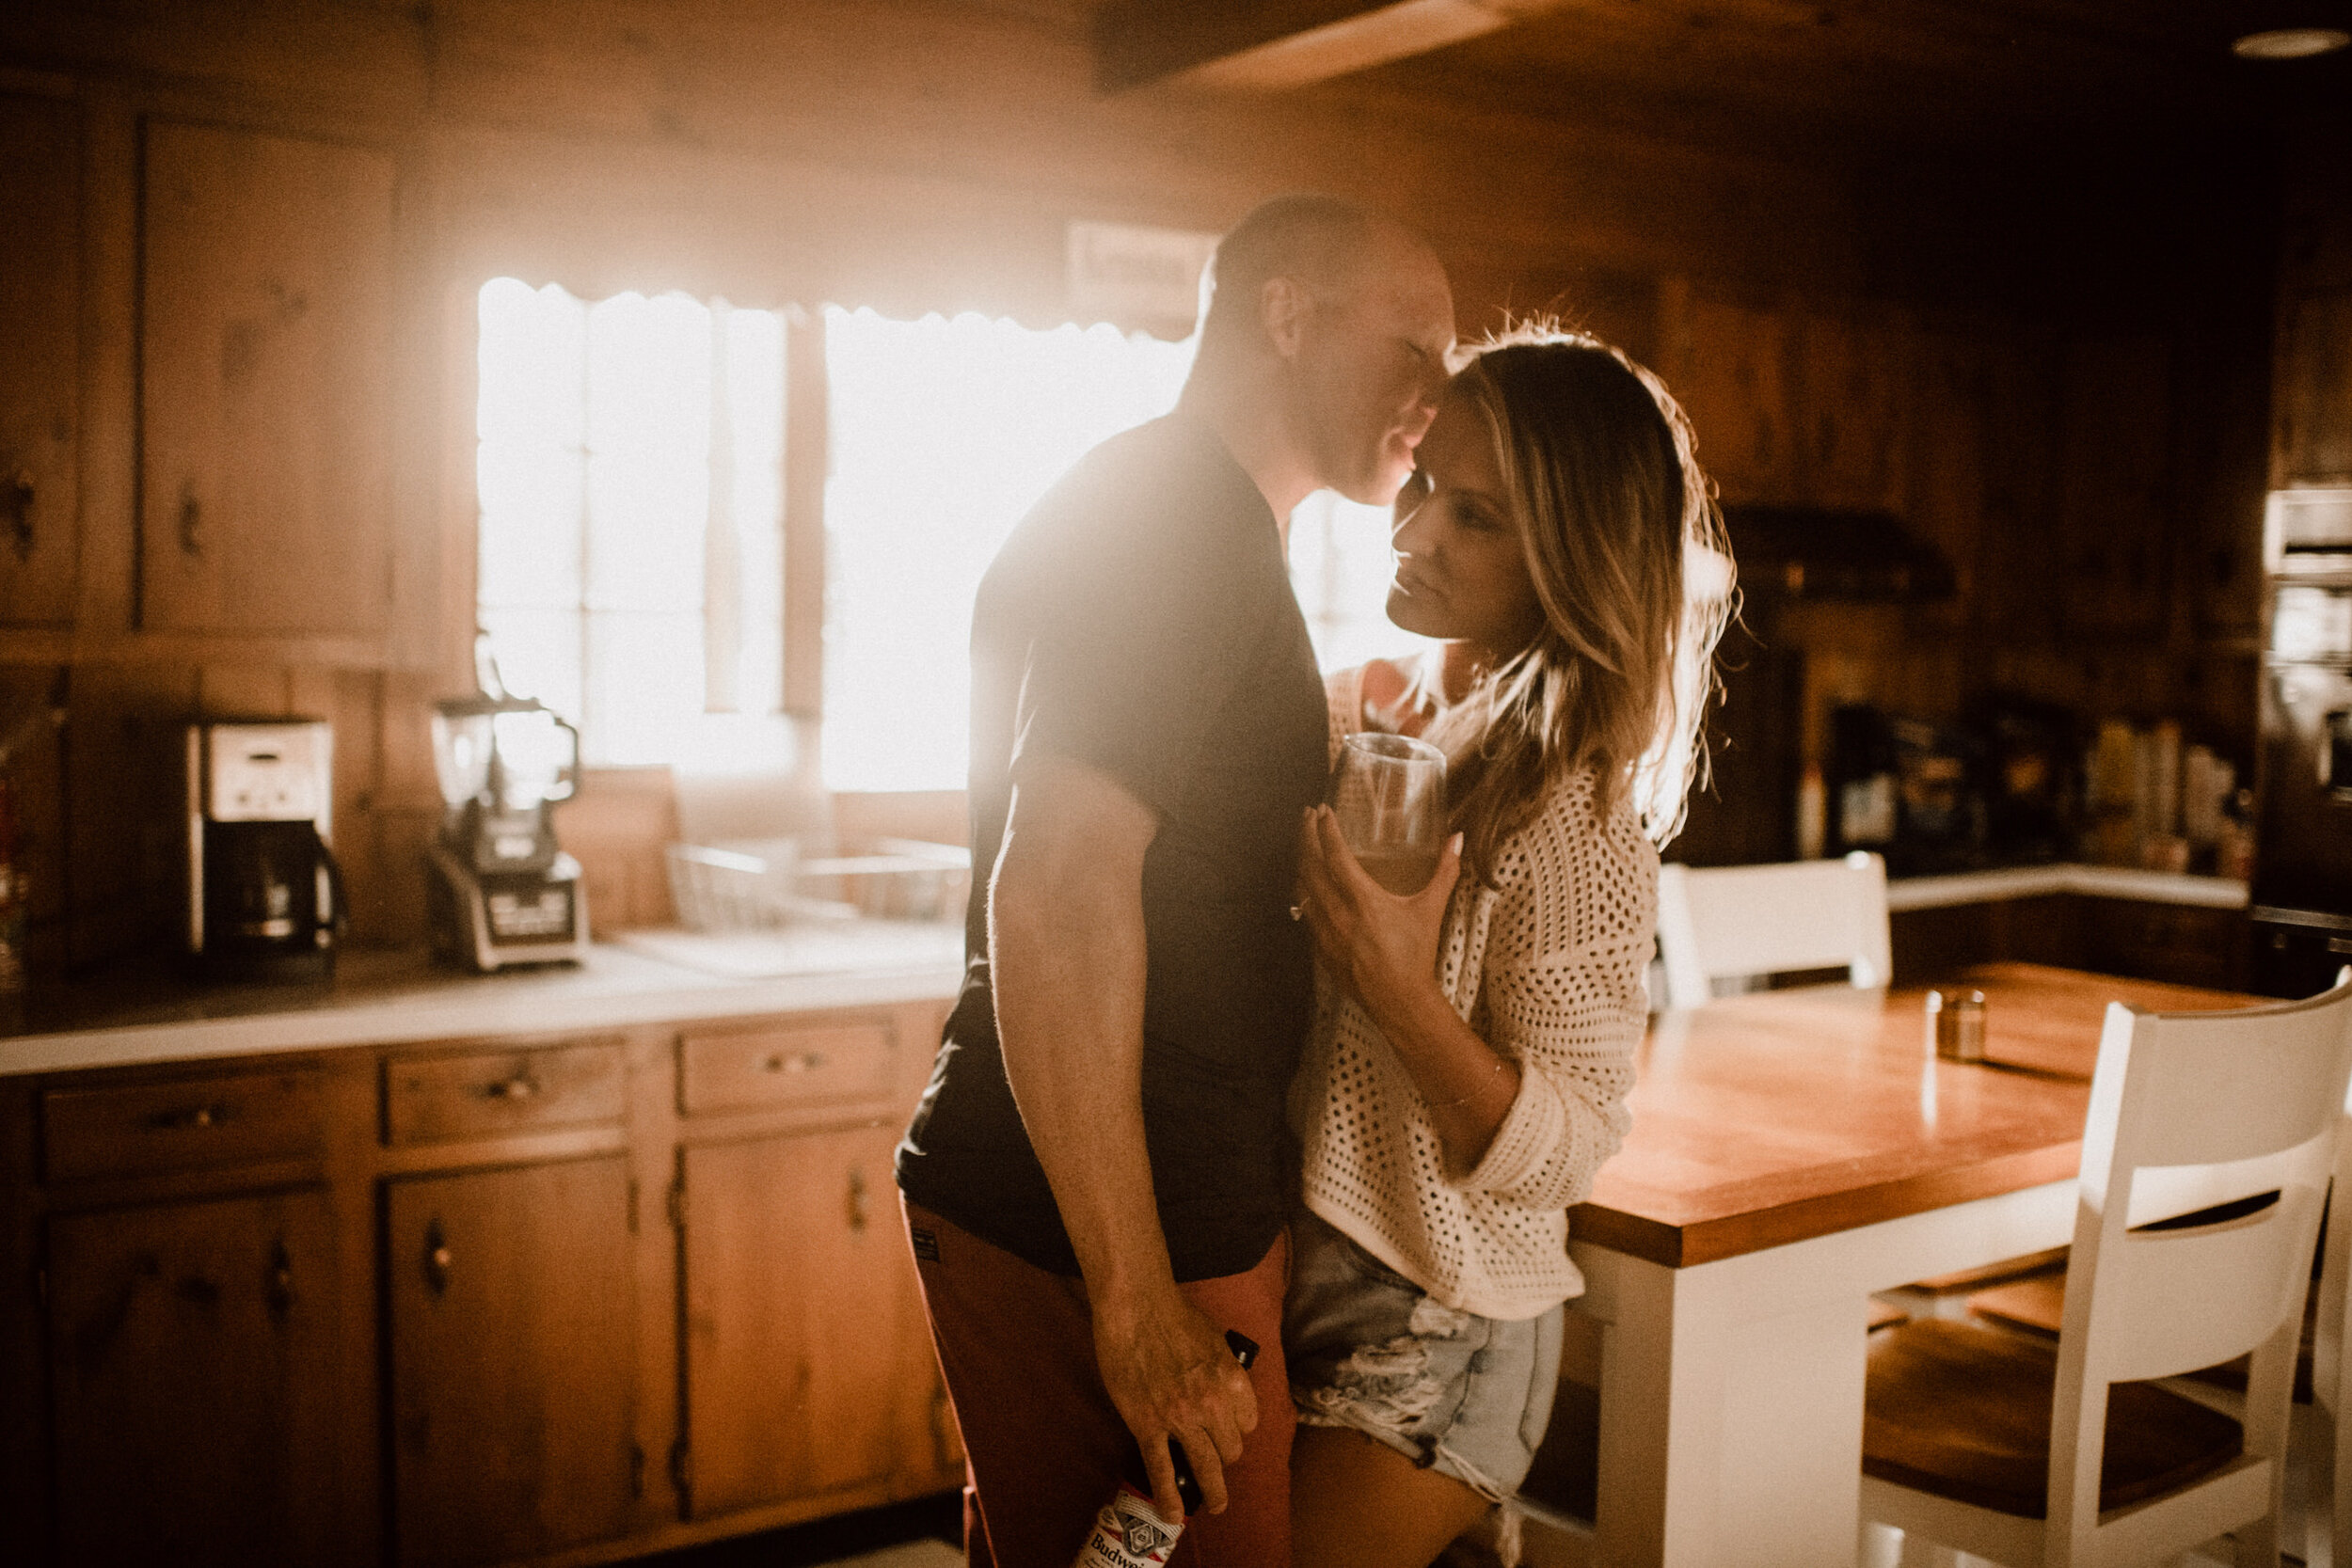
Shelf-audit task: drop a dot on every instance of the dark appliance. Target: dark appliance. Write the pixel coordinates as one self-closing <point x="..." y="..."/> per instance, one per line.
<point x="1746" y="811"/>
<point x="265" y="893"/>
<point x="2302" y="890"/>
<point x="498" y="890"/>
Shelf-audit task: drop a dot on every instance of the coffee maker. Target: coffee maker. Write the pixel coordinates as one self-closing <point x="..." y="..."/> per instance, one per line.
<point x="265" y="893"/>
<point x="498" y="888"/>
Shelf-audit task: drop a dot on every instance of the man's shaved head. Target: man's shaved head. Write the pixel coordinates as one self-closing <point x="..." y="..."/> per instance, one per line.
<point x="1324" y="242"/>
<point x="1334" y="321"/>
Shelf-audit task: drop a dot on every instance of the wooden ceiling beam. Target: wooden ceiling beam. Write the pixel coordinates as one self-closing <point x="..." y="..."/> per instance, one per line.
<point x="1268" y="45"/>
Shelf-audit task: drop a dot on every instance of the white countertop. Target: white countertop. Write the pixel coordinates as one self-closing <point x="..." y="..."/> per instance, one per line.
<point x="2031" y="882"/>
<point x="394" y="998"/>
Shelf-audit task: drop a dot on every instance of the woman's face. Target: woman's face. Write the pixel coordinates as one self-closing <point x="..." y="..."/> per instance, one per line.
<point x="1461" y="567"/>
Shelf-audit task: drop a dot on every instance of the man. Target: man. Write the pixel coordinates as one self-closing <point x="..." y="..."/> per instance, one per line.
<point x="1097" y="1179"/>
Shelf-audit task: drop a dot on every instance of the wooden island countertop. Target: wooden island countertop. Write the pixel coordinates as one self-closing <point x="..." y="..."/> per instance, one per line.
<point x="1774" y="1117"/>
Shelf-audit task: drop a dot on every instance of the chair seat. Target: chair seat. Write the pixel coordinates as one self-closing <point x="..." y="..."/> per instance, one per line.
<point x="2038" y="1307"/>
<point x="1963" y="1412"/>
<point x="1964" y="1280"/>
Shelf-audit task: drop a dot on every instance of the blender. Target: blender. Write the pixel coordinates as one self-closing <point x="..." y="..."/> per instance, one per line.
<point x="498" y="888"/>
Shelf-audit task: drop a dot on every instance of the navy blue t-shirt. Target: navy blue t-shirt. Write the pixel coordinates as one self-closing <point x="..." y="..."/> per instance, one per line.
<point x="1140" y="620"/>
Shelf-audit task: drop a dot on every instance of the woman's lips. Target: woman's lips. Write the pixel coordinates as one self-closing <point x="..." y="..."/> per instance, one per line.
<point x="1414" y="586"/>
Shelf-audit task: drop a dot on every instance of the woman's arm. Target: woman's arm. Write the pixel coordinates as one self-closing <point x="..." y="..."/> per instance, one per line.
<point x="1530" y="1111"/>
<point x="1383" y="948"/>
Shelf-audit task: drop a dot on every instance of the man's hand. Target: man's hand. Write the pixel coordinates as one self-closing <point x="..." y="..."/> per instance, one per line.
<point x="1172" y="1374"/>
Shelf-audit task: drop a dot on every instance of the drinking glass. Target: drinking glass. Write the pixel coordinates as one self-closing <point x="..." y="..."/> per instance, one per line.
<point x="1390" y="797"/>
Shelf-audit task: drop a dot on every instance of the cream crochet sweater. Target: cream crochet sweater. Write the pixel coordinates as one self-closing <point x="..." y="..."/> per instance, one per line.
<point x="1547" y="965"/>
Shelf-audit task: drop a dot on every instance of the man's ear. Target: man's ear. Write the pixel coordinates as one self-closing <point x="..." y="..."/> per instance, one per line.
<point x="1282" y="308"/>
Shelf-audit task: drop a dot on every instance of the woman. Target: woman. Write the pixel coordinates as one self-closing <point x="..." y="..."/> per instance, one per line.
<point x="1472" y="1048"/>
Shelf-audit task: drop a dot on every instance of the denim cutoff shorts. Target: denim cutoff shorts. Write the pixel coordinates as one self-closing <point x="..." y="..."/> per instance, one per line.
<point x="1466" y="1396"/>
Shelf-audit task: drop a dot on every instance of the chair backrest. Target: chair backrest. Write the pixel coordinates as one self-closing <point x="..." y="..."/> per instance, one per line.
<point x="1716" y="922"/>
<point x="2190" y="1112"/>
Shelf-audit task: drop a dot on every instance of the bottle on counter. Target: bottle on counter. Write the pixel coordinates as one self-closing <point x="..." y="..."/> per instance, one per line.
<point x="1129" y="1530"/>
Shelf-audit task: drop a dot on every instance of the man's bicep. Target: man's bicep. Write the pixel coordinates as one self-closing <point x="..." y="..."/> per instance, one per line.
<point x="1070" y="818"/>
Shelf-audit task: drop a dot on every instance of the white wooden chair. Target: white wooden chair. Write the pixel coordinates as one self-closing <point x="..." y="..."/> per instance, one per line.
<point x="1730" y="921"/>
<point x="2331" y="1365"/>
<point x="2068" y="1455"/>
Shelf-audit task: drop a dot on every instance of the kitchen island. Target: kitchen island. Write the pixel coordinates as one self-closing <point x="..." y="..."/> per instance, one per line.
<point x="547" y="1267"/>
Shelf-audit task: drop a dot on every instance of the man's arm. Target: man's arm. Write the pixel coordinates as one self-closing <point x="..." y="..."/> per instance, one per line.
<point x="1066" y="961"/>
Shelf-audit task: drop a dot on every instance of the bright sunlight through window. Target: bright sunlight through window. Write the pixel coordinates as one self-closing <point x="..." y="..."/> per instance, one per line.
<point x="944" y="434"/>
<point x="631" y="473"/>
<point x="630" y="545"/>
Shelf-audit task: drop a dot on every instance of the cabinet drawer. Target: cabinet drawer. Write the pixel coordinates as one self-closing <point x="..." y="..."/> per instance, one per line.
<point x="184" y="1124"/>
<point x="772" y="1068"/>
<point x="483" y="1094"/>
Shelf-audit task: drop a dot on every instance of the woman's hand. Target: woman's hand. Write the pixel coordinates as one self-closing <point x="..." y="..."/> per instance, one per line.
<point x="1382" y="946"/>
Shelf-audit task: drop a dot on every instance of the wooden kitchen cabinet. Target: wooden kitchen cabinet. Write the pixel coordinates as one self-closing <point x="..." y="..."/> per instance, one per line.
<point x="794" y="1309"/>
<point x="2178" y="943"/>
<point x="513" y="1338"/>
<point x="265" y="392"/>
<point x="1729" y="361"/>
<point x="193" y="1396"/>
<point x="2114" y="522"/>
<point x="522" y="1299"/>
<point x="39" y="361"/>
<point x="2312" y="421"/>
<point x="1854" y="380"/>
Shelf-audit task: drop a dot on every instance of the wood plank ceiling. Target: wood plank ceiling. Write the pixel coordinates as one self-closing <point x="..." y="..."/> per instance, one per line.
<point x="1951" y="75"/>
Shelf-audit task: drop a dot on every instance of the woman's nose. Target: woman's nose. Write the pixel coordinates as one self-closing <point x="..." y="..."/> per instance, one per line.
<point x="1413" y="534"/>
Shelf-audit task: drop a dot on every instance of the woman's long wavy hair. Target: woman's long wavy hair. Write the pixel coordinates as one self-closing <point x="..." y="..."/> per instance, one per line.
<point x="1626" y="550"/>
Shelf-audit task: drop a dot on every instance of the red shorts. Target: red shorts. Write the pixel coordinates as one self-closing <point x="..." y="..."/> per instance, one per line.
<point x="1042" y="1440"/>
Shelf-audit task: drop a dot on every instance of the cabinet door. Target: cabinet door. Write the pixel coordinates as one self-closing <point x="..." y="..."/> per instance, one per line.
<point x="1728" y="364"/>
<point x="266" y="364"/>
<point x="192" y="1374"/>
<point x="2314" y="412"/>
<point x="1856" y="399"/>
<point x="40" y="368"/>
<point x="514" y="1360"/>
<point x="796" y="1273"/>
<point x="2114" y="521"/>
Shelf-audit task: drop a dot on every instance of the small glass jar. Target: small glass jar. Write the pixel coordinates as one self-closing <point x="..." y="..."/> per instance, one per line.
<point x="1956" y="1024"/>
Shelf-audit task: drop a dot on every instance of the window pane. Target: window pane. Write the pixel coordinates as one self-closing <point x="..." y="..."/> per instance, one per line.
<point x="533" y="365"/>
<point x="532" y="498"/>
<point x="595" y="475"/>
<point x="649" y="399"/>
<point x="644" y="683"/>
<point x="538" y="653"/>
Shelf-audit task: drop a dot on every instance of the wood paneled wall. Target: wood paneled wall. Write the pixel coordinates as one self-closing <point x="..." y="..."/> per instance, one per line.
<point x="926" y="155"/>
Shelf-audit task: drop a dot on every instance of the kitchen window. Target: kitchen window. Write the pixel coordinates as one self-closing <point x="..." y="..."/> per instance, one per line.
<point x="631" y="548"/>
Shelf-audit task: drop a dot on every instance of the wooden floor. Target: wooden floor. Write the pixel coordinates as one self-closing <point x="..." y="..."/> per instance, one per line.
<point x="924" y="1534"/>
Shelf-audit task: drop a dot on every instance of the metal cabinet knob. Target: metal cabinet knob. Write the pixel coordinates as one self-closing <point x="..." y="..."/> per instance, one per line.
<point x="437" y="1259"/>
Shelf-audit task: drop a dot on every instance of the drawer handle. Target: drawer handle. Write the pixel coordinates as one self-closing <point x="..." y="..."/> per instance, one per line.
<point x="807" y="1061"/>
<point x="437" y="1259"/>
<point x="195" y="1118"/>
<point x="857" y="1202"/>
<point x="521" y="1087"/>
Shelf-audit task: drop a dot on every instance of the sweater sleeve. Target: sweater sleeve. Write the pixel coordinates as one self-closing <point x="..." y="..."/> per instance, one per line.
<point x="1562" y="995"/>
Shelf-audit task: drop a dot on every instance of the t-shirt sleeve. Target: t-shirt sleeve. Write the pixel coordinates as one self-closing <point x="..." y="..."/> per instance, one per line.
<point x="1137" y="644"/>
